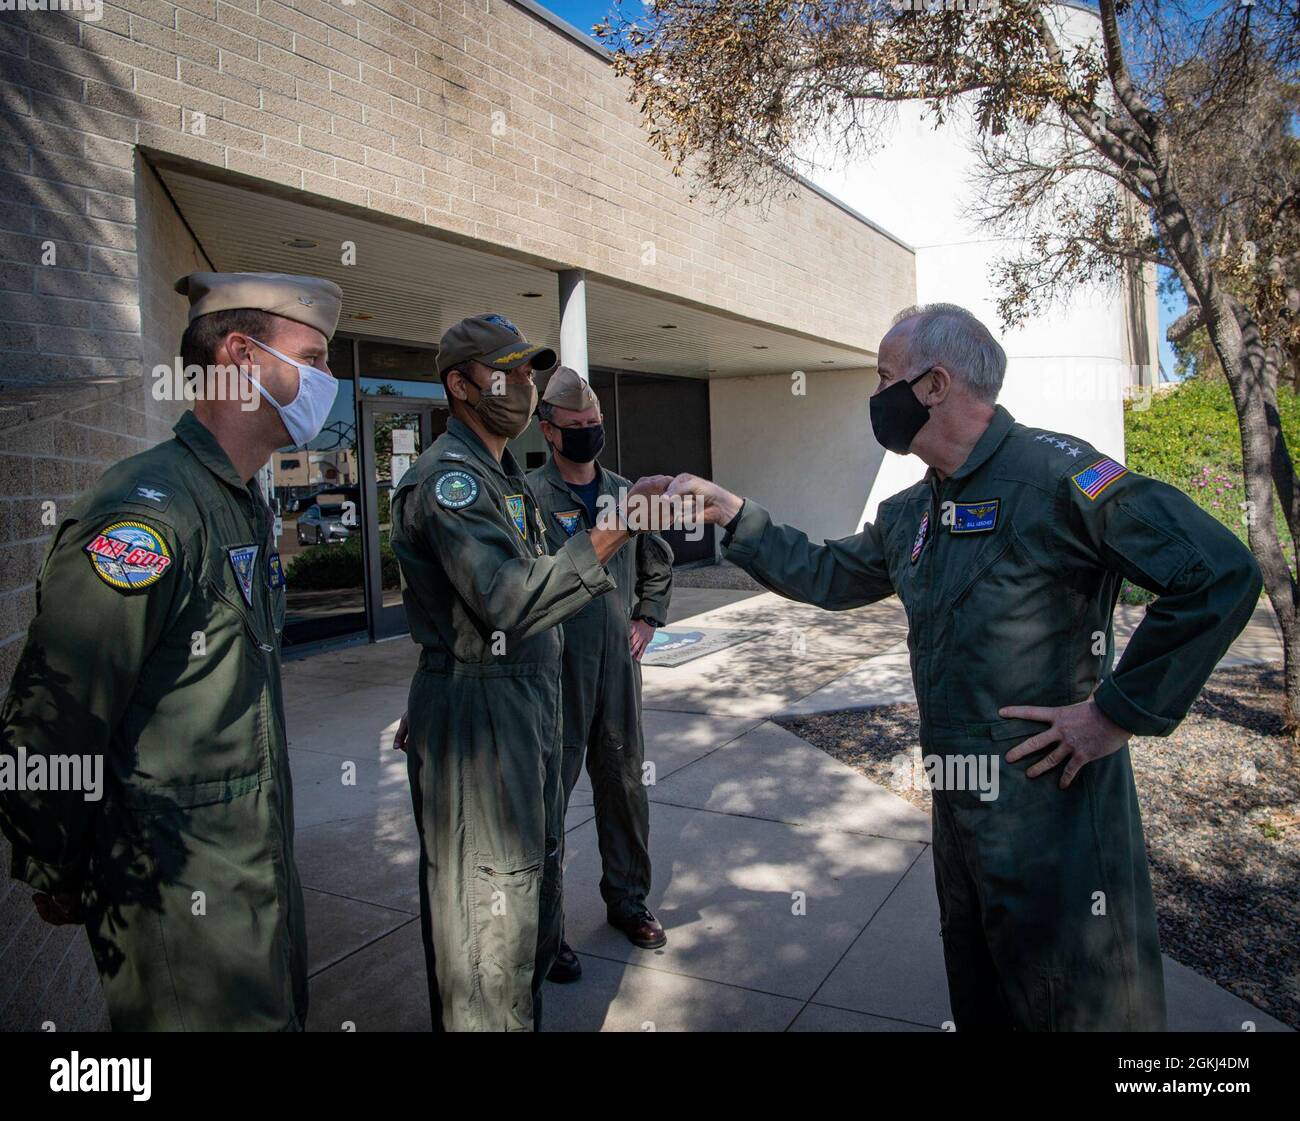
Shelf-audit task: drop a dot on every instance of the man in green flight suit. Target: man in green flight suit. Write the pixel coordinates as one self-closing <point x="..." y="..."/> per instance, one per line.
<point x="603" y="645"/>
<point x="156" y="650"/>
<point x="1008" y="557"/>
<point x="483" y="723"/>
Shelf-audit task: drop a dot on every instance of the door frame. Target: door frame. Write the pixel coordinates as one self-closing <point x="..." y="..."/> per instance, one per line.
<point x="381" y="621"/>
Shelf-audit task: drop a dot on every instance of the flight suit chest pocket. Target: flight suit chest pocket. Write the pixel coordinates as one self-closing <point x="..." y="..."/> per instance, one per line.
<point x="235" y="576"/>
<point x="997" y="630"/>
<point x="982" y="571"/>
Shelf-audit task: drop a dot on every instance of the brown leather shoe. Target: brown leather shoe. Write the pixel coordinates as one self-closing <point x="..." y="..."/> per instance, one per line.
<point x="642" y="929"/>
<point x="567" y="968"/>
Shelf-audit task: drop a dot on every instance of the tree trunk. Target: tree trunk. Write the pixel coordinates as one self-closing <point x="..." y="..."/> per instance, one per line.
<point x="1246" y="375"/>
<point x="1291" y="671"/>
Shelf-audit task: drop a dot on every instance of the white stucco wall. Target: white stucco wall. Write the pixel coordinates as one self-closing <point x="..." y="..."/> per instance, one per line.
<point x="811" y="459"/>
<point x="1066" y="370"/>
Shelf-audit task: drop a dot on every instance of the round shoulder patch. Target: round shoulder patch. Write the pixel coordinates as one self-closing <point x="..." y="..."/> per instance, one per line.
<point x="456" y="489"/>
<point x="129" y="555"/>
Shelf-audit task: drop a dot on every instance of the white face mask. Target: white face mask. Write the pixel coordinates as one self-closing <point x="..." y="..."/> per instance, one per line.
<point x="305" y="415"/>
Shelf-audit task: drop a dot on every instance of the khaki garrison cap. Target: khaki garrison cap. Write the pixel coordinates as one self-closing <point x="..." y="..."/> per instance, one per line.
<point x="304" y="299"/>
<point x="493" y="340"/>
<point x="567" y="390"/>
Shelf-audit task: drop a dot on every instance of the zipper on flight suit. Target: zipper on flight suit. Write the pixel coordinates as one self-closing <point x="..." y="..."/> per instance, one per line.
<point x="924" y="579"/>
<point x="263" y="525"/>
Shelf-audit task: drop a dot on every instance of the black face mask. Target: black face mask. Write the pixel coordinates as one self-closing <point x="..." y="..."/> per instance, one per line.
<point x="581" y="445"/>
<point x="897" y="416"/>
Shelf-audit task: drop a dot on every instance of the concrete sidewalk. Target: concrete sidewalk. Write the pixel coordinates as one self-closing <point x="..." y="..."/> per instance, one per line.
<point x="796" y="893"/>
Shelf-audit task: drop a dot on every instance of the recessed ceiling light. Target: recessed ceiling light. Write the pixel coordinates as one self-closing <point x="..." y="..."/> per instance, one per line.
<point x="531" y="295"/>
<point x="300" y="243"/>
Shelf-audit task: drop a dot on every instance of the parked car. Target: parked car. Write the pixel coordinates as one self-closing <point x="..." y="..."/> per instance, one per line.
<point x="304" y="502"/>
<point x="321" y="525"/>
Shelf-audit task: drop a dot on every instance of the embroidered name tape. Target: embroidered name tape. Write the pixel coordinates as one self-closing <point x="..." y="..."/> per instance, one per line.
<point x="1095" y="479"/>
<point x="129" y="556"/>
<point x="975" y="517"/>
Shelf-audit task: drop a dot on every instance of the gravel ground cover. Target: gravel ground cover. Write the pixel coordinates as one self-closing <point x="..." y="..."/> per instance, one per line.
<point x="722" y="575"/>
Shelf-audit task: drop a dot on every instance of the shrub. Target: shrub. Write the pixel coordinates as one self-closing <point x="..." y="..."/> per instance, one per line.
<point x="1189" y="438"/>
<point x="322" y="567"/>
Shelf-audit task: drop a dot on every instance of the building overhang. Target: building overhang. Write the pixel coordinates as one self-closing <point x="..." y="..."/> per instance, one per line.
<point x="407" y="282"/>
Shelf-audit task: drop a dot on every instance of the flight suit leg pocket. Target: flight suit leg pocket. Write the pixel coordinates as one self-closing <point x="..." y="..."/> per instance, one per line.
<point x="1092" y="996"/>
<point x="506" y="759"/>
<point x="507" y="904"/>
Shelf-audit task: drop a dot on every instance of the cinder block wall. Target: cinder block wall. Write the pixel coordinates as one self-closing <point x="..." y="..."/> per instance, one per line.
<point x="51" y="449"/>
<point x="474" y="117"/>
<point x="57" y="438"/>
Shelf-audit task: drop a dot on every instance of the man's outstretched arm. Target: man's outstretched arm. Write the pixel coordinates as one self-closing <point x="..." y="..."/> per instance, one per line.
<point x="838" y="575"/>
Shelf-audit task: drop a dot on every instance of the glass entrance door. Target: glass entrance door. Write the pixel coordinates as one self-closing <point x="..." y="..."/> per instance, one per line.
<point x="394" y="432"/>
<point x="314" y="494"/>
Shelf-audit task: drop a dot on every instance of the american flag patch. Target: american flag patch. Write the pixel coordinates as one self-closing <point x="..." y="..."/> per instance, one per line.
<point x="1095" y="479"/>
<point x="919" y="543"/>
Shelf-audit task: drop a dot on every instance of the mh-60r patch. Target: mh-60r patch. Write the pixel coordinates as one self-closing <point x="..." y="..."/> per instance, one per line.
<point x="129" y="556"/>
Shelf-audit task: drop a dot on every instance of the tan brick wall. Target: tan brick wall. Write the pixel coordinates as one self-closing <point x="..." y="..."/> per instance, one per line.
<point x="51" y="449"/>
<point x="474" y="117"/>
<point x="59" y="443"/>
<point x="46" y="460"/>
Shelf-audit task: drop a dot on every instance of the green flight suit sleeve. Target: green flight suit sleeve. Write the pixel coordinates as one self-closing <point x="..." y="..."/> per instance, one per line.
<point x="654" y="578"/>
<point x="518" y="596"/>
<point x="850" y="572"/>
<point x="84" y="652"/>
<point x="1206" y="581"/>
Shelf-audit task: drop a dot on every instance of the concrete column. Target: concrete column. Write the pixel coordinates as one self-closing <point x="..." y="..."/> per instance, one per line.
<point x="573" y="320"/>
